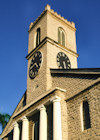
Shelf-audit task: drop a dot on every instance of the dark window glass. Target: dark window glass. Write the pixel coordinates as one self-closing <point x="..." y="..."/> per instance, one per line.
<point x="86" y="115"/>
<point x="38" y="37"/>
<point x="24" y="100"/>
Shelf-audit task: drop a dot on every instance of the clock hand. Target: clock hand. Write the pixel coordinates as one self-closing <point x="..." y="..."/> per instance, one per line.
<point x="64" y="64"/>
<point x="35" y="64"/>
<point x="31" y="67"/>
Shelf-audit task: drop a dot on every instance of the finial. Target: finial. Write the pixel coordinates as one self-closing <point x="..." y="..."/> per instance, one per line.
<point x="47" y="7"/>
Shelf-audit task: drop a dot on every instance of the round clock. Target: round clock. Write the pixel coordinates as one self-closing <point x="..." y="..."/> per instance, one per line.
<point x="63" y="61"/>
<point x="35" y="64"/>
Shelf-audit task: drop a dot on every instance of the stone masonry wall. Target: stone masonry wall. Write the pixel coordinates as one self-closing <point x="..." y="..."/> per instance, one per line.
<point x="72" y="83"/>
<point x="74" y="115"/>
<point x="53" y="24"/>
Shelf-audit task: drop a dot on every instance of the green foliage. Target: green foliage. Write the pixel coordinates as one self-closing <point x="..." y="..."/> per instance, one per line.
<point x="4" y="118"/>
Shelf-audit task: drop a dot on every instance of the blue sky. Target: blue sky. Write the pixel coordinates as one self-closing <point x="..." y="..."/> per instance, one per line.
<point x="15" y="17"/>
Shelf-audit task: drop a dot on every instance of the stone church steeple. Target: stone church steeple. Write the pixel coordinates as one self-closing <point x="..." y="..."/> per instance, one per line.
<point x="52" y="45"/>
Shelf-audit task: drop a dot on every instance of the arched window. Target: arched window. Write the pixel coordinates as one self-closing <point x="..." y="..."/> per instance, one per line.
<point x="86" y="116"/>
<point x="37" y="37"/>
<point x="61" y="36"/>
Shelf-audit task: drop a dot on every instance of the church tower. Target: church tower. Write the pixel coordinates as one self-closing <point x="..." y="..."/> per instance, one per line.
<point x="52" y="45"/>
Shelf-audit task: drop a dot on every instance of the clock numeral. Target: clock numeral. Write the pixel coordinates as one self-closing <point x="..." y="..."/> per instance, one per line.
<point x="35" y="72"/>
<point x="58" y="63"/>
<point x="60" y="67"/>
<point x="63" y="55"/>
<point x="40" y="59"/>
<point x="35" y="54"/>
<point x="60" y="54"/>
<point x="39" y="64"/>
<point x="33" y="59"/>
<point x="57" y="59"/>
<point x="40" y="55"/>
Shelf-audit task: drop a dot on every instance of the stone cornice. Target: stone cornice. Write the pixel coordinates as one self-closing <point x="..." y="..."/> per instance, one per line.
<point x="47" y="39"/>
<point x="38" y="99"/>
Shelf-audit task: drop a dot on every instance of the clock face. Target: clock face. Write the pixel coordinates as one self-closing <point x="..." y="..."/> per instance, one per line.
<point x="63" y="61"/>
<point x="35" y="64"/>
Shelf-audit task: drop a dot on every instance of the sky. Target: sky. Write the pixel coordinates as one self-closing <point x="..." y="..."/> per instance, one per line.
<point x="15" y="18"/>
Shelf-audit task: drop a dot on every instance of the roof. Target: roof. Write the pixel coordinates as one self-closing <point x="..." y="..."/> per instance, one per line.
<point x="87" y="71"/>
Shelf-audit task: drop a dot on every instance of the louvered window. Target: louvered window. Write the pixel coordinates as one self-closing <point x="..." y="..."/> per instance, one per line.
<point x="61" y="36"/>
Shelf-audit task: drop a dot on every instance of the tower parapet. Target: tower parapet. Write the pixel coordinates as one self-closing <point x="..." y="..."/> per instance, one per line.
<point x="48" y="8"/>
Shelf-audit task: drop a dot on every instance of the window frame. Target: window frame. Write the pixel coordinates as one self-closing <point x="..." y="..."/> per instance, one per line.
<point x="61" y="34"/>
<point x="84" y="121"/>
<point x="37" y="37"/>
